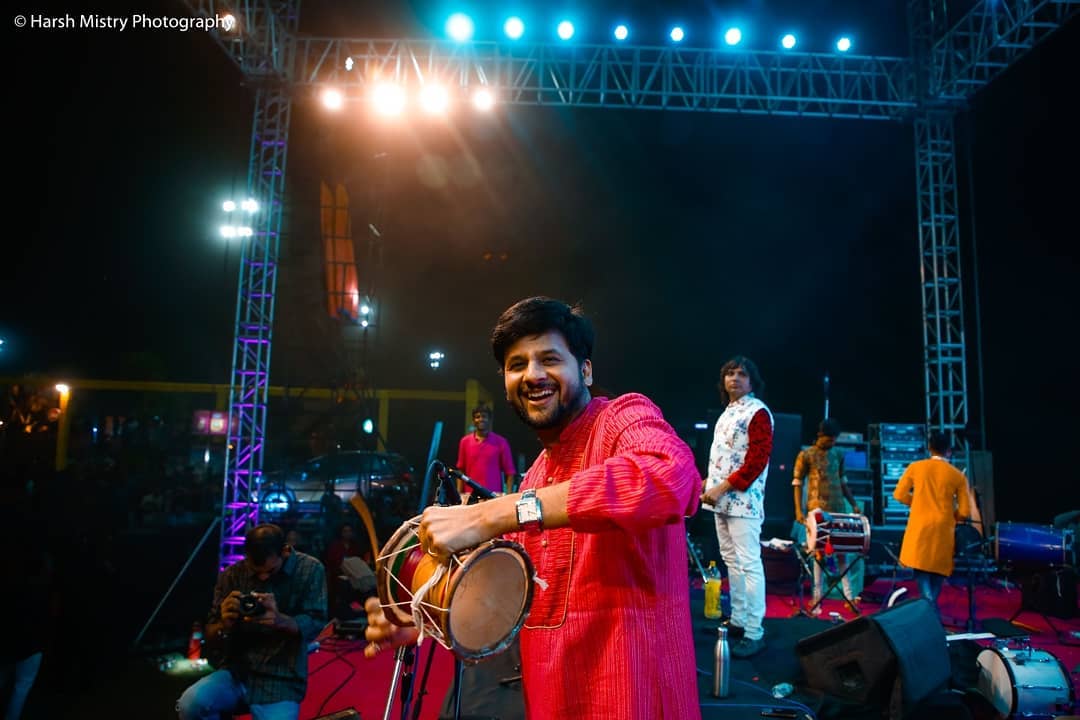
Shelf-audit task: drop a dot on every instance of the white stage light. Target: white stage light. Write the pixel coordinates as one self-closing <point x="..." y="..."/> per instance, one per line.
<point x="483" y="99"/>
<point x="460" y="27"/>
<point x="566" y="30"/>
<point x="389" y="99"/>
<point x="514" y="28"/>
<point x="622" y="32"/>
<point x="677" y="34"/>
<point x="332" y="99"/>
<point x="733" y="36"/>
<point x="434" y="99"/>
<point x="788" y="41"/>
<point x="843" y="44"/>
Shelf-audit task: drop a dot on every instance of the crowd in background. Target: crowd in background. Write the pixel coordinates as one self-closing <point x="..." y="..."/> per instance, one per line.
<point x="98" y="543"/>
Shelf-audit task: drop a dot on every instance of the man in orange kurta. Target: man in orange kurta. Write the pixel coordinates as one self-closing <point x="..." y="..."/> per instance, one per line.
<point x="937" y="494"/>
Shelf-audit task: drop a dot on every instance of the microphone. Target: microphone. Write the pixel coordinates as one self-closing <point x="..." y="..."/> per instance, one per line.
<point x="479" y="490"/>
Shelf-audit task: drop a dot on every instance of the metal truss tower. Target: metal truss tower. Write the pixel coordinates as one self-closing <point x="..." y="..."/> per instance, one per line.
<point x="949" y="63"/>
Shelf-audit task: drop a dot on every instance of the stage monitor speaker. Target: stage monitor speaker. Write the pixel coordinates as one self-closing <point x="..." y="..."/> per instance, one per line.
<point x="787" y="442"/>
<point x="917" y="638"/>
<point x="851" y="661"/>
<point x="860" y="660"/>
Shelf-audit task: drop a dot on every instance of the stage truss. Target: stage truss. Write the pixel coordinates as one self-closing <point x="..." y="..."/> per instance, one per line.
<point x="949" y="62"/>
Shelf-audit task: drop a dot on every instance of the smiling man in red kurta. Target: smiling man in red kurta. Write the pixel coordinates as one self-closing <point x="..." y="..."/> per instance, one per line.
<point x="601" y="515"/>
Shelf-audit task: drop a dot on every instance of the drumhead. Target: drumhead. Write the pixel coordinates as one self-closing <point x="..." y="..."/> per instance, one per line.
<point x="1028" y="682"/>
<point x="489" y="599"/>
<point x="996" y="681"/>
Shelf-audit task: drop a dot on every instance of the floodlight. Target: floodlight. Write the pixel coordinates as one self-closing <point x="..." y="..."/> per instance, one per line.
<point x="514" y="28"/>
<point x="565" y="30"/>
<point x="460" y="27"/>
<point x="677" y="34"/>
<point x="843" y="44"/>
<point x="332" y="99"/>
<point x="788" y="41"/>
<point x="622" y="32"/>
<point x="733" y="36"/>
<point x="483" y="99"/>
<point x="389" y="99"/>
<point x="434" y="99"/>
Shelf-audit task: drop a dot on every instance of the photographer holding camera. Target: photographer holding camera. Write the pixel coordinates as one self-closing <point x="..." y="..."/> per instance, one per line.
<point x="266" y="610"/>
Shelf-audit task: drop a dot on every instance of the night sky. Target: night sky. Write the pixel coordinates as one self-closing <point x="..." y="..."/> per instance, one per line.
<point x="687" y="237"/>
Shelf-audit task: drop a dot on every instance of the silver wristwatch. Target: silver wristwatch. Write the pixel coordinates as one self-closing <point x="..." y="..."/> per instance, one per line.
<point x="530" y="515"/>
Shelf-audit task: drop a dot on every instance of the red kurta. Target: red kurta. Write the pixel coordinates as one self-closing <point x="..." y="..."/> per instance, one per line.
<point x="611" y="636"/>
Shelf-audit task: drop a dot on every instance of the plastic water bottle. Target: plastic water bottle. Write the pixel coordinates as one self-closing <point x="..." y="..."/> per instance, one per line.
<point x="721" y="683"/>
<point x="713" y="586"/>
<point x="194" y="651"/>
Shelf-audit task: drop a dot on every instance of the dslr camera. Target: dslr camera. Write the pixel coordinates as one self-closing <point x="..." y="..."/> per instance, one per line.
<point x="250" y="605"/>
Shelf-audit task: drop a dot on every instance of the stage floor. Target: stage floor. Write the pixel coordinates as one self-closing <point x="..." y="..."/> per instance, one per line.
<point x="341" y="678"/>
<point x="752" y="679"/>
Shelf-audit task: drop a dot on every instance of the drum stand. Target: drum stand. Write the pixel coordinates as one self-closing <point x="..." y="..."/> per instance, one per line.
<point x="807" y="571"/>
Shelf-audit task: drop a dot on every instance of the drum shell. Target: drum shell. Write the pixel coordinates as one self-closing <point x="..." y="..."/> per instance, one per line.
<point x="1025" y="683"/>
<point x="1024" y="545"/>
<point x="847" y="532"/>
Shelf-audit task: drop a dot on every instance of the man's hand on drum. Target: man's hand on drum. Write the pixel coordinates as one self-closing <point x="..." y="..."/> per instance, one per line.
<point x="382" y="634"/>
<point x="445" y="530"/>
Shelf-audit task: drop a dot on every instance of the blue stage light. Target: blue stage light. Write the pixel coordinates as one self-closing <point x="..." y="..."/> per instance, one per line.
<point x="622" y="32"/>
<point x="566" y="30"/>
<point x="460" y="27"/>
<point x="514" y="28"/>
<point x="733" y="36"/>
<point x="677" y="34"/>
<point x="843" y="44"/>
<point x="788" y="41"/>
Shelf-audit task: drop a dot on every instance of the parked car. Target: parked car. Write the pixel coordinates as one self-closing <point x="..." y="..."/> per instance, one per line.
<point x="385" y="480"/>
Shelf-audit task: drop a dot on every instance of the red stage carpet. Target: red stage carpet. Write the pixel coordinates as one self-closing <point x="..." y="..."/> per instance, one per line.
<point x="342" y="678"/>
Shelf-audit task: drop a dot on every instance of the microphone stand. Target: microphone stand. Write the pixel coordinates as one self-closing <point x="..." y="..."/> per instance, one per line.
<point x="403" y="659"/>
<point x="826" y="415"/>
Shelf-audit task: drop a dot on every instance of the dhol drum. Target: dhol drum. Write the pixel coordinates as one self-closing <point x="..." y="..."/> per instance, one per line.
<point x="1025" y="683"/>
<point x="1022" y="545"/>
<point x="846" y="532"/>
<point x="477" y="604"/>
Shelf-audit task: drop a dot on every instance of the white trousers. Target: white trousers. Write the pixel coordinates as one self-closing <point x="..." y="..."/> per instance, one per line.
<point x="740" y="547"/>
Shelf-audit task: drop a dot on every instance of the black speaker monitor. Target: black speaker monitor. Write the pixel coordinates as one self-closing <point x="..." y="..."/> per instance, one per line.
<point x="860" y="660"/>
<point x="851" y="661"/>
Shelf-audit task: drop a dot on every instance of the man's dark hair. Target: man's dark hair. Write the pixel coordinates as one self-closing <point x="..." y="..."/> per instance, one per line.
<point x="481" y="410"/>
<point x="538" y="315"/>
<point x="757" y="385"/>
<point x="829" y="428"/>
<point x="939" y="442"/>
<point x="263" y="541"/>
